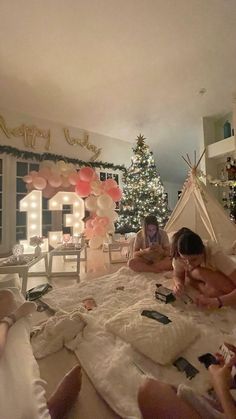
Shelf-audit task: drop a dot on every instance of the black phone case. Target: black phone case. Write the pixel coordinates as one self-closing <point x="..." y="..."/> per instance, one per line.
<point x="184" y="366"/>
<point x="208" y="359"/>
<point x="155" y="315"/>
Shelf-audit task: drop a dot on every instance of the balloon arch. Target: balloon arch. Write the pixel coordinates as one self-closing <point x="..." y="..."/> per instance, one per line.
<point x="100" y="196"/>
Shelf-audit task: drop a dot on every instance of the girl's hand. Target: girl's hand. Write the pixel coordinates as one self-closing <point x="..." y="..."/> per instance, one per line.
<point x="221" y="376"/>
<point x="206" y="302"/>
<point x="178" y="289"/>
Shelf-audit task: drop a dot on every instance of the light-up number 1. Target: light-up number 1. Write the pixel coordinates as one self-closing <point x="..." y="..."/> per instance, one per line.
<point x="32" y="204"/>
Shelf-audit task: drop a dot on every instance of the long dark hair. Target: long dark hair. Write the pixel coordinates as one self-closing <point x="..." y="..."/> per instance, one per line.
<point x="186" y="242"/>
<point x="150" y="219"/>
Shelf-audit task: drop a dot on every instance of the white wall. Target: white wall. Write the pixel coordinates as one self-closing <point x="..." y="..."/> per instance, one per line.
<point x="113" y="150"/>
<point x="172" y="190"/>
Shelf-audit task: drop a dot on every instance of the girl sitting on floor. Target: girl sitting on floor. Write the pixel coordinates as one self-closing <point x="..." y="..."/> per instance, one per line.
<point x="208" y="270"/>
<point x="151" y="248"/>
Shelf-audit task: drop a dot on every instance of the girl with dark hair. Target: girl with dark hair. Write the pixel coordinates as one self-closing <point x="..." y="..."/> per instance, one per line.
<point x="151" y="248"/>
<point x="209" y="270"/>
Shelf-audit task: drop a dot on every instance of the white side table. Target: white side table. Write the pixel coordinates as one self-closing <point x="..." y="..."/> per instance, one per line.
<point x="118" y="247"/>
<point x="65" y="251"/>
<point x="8" y="267"/>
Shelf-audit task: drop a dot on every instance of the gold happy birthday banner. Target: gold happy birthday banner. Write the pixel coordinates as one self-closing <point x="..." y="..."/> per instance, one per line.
<point x="30" y="133"/>
<point x="83" y="143"/>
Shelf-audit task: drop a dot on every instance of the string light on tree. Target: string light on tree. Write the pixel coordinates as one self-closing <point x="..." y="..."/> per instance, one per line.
<point x="143" y="192"/>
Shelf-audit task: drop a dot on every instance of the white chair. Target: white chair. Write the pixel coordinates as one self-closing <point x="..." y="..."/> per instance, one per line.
<point x="123" y="247"/>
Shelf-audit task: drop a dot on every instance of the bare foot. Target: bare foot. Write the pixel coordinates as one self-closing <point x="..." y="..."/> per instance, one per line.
<point x="24" y="310"/>
<point x="66" y="393"/>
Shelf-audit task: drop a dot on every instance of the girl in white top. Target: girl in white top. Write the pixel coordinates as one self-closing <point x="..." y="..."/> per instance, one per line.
<point x="209" y="270"/>
<point x="151" y="248"/>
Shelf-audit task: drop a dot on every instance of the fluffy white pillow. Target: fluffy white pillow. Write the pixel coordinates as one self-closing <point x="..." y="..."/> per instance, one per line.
<point x="160" y="342"/>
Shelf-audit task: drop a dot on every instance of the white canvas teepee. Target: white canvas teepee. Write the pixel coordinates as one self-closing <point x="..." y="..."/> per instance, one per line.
<point x="201" y="212"/>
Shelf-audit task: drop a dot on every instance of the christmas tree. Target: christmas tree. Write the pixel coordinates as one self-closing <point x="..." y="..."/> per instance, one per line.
<point x="143" y="192"/>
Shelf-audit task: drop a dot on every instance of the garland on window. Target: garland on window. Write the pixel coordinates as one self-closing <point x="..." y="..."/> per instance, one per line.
<point x="29" y="155"/>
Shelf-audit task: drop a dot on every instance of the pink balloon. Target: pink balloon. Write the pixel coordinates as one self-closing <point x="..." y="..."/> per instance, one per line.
<point x="88" y="233"/>
<point x="95" y="221"/>
<point x="88" y="223"/>
<point x="29" y="187"/>
<point x="33" y="173"/>
<point x="82" y="188"/>
<point x="110" y="183"/>
<point x="39" y="183"/>
<point x="49" y="192"/>
<point x="115" y="194"/>
<point x="73" y="178"/>
<point x="55" y="181"/>
<point x="65" y="183"/>
<point x="45" y="172"/>
<point x="99" y="230"/>
<point x="27" y="179"/>
<point x="86" y="174"/>
<point x="104" y="221"/>
<point x="95" y="175"/>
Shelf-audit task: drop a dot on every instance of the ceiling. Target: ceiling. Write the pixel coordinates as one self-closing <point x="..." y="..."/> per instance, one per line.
<point x="122" y="67"/>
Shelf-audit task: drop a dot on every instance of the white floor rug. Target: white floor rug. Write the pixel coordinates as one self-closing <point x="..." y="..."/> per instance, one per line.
<point x="115" y="369"/>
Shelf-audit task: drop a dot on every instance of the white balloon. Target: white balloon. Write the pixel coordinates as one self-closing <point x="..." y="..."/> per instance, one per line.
<point x="114" y="216"/>
<point x="91" y="203"/>
<point x="47" y="163"/>
<point x="95" y="242"/>
<point x="104" y="201"/>
<point x="101" y="212"/>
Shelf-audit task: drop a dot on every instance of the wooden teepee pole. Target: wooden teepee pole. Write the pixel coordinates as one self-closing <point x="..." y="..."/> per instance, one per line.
<point x="201" y="157"/>
<point x="186" y="162"/>
<point x="189" y="159"/>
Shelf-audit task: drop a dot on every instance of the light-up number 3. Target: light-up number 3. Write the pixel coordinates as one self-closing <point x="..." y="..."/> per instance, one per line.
<point x="73" y="220"/>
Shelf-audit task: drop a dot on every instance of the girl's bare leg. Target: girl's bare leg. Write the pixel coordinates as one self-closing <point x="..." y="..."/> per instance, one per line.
<point x="159" y="401"/>
<point x="140" y="265"/>
<point x="65" y="394"/>
<point x="210" y="283"/>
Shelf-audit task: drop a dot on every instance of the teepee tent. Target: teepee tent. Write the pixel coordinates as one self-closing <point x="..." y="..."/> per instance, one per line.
<point x="198" y="210"/>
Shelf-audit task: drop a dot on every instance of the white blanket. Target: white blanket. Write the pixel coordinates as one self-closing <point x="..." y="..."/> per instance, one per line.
<point x="113" y="365"/>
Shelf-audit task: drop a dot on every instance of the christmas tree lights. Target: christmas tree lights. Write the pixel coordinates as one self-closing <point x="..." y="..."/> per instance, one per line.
<point x="143" y="192"/>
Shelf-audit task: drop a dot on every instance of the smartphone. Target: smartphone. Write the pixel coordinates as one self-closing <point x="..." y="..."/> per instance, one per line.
<point x="208" y="359"/>
<point x="155" y="315"/>
<point x="184" y="366"/>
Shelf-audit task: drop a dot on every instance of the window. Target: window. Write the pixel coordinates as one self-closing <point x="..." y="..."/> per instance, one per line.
<point x="111" y="175"/>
